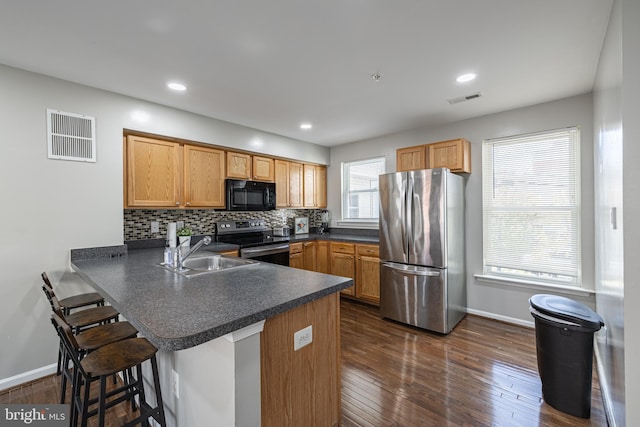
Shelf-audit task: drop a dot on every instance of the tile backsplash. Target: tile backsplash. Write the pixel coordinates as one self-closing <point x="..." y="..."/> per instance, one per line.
<point x="137" y="222"/>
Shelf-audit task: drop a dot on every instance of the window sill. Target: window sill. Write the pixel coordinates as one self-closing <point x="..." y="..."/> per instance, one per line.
<point x="357" y="224"/>
<point x="562" y="289"/>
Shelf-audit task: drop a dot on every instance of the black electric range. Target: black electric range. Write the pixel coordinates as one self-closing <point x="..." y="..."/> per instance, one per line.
<point x="255" y="239"/>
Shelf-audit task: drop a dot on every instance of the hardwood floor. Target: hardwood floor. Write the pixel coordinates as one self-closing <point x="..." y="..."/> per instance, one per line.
<point x="482" y="374"/>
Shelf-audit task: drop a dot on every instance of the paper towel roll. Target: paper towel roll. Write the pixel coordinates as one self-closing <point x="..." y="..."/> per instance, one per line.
<point x="171" y="234"/>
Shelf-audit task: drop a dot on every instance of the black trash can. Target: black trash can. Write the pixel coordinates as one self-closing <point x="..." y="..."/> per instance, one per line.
<point x="564" y="344"/>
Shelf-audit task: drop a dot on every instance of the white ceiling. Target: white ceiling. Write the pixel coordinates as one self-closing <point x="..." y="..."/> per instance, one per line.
<point x="271" y="64"/>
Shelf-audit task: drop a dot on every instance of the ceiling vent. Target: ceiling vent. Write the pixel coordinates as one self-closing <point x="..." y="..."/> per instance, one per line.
<point x="464" y="98"/>
<point x="71" y="136"/>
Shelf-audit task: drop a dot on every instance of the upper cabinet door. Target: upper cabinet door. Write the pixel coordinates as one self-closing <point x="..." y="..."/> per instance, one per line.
<point x="411" y="158"/>
<point x="321" y="187"/>
<point x="153" y="178"/>
<point x="238" y="165"/>
<point x="263" y="169"/>
<point x="454" y="155"/>
<point x="282" y="183"/>
<point x="295" y="185"/>
<point x="309" y="186"/>
<point x="204" y="177"/>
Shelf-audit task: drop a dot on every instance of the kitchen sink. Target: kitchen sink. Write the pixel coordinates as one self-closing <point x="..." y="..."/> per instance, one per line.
<point x="210" y="264"/>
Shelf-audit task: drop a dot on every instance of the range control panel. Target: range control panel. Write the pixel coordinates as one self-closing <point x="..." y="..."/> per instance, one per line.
<point x="241" y="226"/>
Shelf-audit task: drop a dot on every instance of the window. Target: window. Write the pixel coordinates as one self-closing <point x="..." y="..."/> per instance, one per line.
<point x="360" y="197"/>
<point x="531" y="207"/>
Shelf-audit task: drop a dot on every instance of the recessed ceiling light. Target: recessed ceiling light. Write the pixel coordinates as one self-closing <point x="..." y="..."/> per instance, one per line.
<point x="466" y="78"/>
<point x="306" y="126"/>
<point x="176" y="86"/>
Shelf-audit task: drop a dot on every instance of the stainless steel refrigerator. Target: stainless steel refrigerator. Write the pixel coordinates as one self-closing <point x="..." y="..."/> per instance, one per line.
<point x="422" y="273"/>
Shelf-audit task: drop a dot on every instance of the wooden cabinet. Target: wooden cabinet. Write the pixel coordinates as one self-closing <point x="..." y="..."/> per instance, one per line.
<point x="411" y="158"/>
<point x="263" y="169"/>
<point x="166" y="174"/>
<point x="323" y="258"/>
<point x="238" y="165"/>
<point x="203" y="177"/>
<point x="368" y="273"/>
<point x="454" y="154"/>
<point x="289" y="183"/>
<point x="296" y="259"/>
<point x="246" y="166"/>
<point x="309" y="251"/>
<point x="343" y="262"/>
<point x="303" y="255"/>
<point x="315" y="186"/>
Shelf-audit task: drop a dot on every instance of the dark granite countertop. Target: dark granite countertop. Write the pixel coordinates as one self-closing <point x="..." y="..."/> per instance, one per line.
<point x="176" y="312"/>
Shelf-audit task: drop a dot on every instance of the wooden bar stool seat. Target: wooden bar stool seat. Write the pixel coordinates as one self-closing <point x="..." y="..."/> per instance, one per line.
<point x="75" y="301"/>
<point x="99" y="365"/>
<point x="84" y="318"/>
<point x="88" y="341"/>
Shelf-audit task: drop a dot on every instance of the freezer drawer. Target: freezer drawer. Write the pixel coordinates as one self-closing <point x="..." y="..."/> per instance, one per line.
<point x="414" y="295"/>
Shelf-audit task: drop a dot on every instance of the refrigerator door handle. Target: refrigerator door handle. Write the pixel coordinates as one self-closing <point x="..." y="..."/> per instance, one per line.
<point x="412" y="270"/>
<point x="408" y="214"/>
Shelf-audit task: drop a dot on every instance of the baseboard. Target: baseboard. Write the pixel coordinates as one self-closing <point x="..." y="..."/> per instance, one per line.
<point x="26" y="377"/>
<point x="604" y="390"/>
<point x="507" y="319"/>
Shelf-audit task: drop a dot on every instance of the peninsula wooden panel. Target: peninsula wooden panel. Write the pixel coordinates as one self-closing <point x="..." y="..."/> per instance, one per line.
<point x="302" y="388"/>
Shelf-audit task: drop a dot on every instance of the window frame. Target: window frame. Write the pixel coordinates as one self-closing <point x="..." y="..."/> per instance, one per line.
<point x="535" y="276"/>
<point x="346" y="192"/>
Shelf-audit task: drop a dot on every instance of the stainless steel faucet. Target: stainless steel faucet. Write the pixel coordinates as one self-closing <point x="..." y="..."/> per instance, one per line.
<point x="183" y="257"/>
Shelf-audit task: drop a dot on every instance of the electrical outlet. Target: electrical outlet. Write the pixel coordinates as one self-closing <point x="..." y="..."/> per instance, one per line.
<point x="155" y="227"/>
<point x="175" y="384"/>
<point x="302" y="337"/>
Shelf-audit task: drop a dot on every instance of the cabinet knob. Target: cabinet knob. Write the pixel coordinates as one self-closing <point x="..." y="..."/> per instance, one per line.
<point x="188" y="204"/>
<point x="177" y="203"/>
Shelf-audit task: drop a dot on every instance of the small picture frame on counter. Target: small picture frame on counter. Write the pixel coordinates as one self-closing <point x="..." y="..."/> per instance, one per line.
<point x="301" y="225"/>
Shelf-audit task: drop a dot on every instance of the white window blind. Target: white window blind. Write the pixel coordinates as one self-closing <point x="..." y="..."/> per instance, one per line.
<point x="360" y="195"/>
<point x="531" y="206"/>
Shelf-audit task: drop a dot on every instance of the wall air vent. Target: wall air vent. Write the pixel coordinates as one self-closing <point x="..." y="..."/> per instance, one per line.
<point x="464" y="98"/>
<point x="71" y="136"/>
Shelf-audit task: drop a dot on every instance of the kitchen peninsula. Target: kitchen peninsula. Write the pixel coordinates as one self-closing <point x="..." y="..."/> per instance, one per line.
<point x="226" y="338"/>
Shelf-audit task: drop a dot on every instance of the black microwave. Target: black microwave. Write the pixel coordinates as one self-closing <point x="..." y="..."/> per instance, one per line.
<point x="250" y="195"/>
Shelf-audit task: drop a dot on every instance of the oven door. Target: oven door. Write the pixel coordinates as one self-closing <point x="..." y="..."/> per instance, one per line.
<point x="275" y="254"/>
<point x="250" y="195"/>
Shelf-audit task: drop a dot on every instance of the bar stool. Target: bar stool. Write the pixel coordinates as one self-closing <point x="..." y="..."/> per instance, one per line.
<point x="79" y="320"/>
<point x="84" y="318"/>
<point x="88" y="341"/>
<point x="75" y="301"/>
<point x="100" y="364"/>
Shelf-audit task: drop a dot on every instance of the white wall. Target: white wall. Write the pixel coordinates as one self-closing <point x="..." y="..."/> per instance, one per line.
<point x="499" y="301"/>
<point x="51" y="206"/>
<point x="631" y="180"/>
<point x="608" y="153"/>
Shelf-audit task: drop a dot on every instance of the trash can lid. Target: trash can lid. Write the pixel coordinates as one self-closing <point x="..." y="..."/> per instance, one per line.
<point x="567" y="309"/>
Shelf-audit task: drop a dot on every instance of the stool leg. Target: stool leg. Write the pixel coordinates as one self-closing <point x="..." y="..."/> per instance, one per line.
<point x="101" y="400"/>
<point x="156" y="384"/>
<point x="85" y="403"/>
<point x="143" y="399"/>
